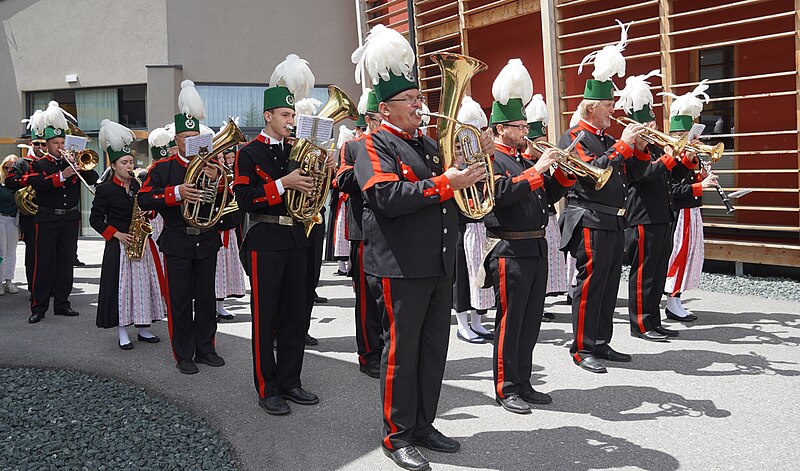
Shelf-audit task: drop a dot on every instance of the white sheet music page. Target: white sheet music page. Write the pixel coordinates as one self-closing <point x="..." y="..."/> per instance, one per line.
<point x="313" y="128"/>
<point x="74" y="143"/>
<point x="195" y="144"/>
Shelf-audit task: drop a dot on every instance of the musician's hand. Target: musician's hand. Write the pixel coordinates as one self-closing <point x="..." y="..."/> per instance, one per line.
<point x="297" y="181"/>
<point x="709" y="181"/>
<point x="68" y="172"/>
<point x="631" y="133"/>
<point x="460" y="179"/>
<point x="548" y="158"/>
<point x="212" y="170"/>
<point x="330" y="162"/>
<point x="124" y="237"/>
<point x="188" y="192"/>
<point x="487" y="142"/>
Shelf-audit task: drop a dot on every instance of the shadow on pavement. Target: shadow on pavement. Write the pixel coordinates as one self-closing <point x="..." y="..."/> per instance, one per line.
<point x="700" y="363"/>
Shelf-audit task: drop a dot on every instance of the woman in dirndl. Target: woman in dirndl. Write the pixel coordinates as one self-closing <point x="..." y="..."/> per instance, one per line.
<point x="341" y="243"/>
<point x="469" y="301"/>
<point x="229" y="282"/>
<point x="130" y="290"/>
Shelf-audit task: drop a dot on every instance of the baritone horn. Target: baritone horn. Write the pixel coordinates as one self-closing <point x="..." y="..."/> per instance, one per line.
<point x="475" y="201"/>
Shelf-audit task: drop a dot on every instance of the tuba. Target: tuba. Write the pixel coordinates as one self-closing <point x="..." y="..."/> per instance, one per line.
<point x="139" y="230"/>
<point x="305" y="155"/>
<point x="570" y="162"/>
<point x="206" y="212"/>
<point x="477" y="200"/>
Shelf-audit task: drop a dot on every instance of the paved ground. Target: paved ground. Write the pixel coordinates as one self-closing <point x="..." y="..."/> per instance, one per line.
<point x="721" y="397"/>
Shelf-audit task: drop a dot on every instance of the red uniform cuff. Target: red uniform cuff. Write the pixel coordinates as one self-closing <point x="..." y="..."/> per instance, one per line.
<point x="642" y="154"/>
<point x="697" y="189"/>
<point x="623" y="149"/>
<point x="170" y="196"/>
<point x="563" y="179"/>
<point x="686" y="162"/>
<point x="442" y="188"/>
<point x="57" y="183"/>
<point x="533" y="178"/>
<point x="668" y="161"/>
<point x="108" y="234"/>
<point x="271" y="195"/>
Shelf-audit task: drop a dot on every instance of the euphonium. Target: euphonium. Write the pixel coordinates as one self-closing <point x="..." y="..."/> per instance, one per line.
<point x="139" y="230"/>
<point x="477" y="200"/>
<point x="306" y="156"/>
<point x="206" y="212"/>
<point x="24" y="199"/>
<point x="570" y="162"/>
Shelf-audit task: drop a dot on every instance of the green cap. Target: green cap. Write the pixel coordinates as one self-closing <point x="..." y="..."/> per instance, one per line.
<point x="597" y="90"/>
<point x="361" y="122"/>
<point x="372" y="102"/>
<point x="36" y="137"/>
<point x="645" y="115"/>
<point x="50" y="132"/>
<point x="514" y="110"/>
<point x="114" y="155"/>
<point x="536" y="129"/>
<point x="278" y="97"/>
<point x="386" y="89"/>
<point x="681" y="122"/>
<point x="186" y="122"/>
<point x="158" y="153"/>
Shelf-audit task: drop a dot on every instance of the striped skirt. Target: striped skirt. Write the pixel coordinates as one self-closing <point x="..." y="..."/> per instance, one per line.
<point x="341" y="246"/>
<point x="686" y="260"/>
<point x="556" y="263"/>
<point x="474" y="237"/>
<point x="140" y="297"/>
<point x="230" y="274"/>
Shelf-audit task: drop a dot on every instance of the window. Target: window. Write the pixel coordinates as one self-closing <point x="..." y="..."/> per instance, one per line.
<point x="126" y="105"/>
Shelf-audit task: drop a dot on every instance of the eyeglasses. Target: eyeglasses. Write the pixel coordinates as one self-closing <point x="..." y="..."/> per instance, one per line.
<point x="38" y="144"/>
<point x="410" y="100"/>
<point x="521" y="127"/>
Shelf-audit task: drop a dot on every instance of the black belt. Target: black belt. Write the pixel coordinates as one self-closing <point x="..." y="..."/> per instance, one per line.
<point x="58" y="212"/>
<point x="600" y="208"/>
<point x="270" y="219"/>
<point x="515" y="235"/>
<point x="10" y="215"/>
<point x="189" y="230"/>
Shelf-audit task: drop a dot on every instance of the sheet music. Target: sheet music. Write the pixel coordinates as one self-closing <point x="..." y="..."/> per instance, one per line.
<point x="695" y="132"/>
<point x="315" y="129"/>
<point x="74" y="143"/>
<point x="195" y="144"/>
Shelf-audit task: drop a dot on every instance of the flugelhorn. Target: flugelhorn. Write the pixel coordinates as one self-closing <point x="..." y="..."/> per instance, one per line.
<point x="570" y="162"/>
<point x="678" y="145"/>
<point x="475" y="201"/>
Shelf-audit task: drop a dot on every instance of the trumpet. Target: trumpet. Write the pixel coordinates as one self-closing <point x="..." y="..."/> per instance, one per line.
<point x="570" y="162"/>
<point x="662" y="139"/>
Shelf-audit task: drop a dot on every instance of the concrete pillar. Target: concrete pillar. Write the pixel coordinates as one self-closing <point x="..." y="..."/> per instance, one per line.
<point x="163" y="86"/>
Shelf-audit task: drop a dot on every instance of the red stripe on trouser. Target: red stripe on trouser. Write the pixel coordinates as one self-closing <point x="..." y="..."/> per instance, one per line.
<point x="501" y="336"/>
<point x="362" y="298"/>
<point x="256" y="323"/>
<point x="159" y="268"/>
<point x="639" y="274"/>
<point x="678" y="267"/>
<point x="389" y="380"/>
<point x="35" y="264"/>
<point x="587" y="247"/>
<point x="169" y="314"/>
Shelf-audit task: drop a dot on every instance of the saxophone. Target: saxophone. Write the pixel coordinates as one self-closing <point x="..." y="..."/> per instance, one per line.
<point x="139" y="230"/>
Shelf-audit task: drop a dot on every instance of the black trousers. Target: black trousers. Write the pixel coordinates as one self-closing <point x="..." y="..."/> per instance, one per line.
<point x="28" y="228"/>
<point x="520" y="286"/>
<point x="56" y="243"/>
<point x="191" y="280"/>
<point x="316" y="239"/>
<point x="416" y="327"/>
<point x="369" y="340"/>
<point x="648" y="247"/>
<point x="598" y="261"/>
<point x="278" y="282"/>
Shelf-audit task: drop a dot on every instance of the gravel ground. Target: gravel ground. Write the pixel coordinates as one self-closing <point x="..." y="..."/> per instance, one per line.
<point x="782" y="289"/>
<point x="55" y="419"/>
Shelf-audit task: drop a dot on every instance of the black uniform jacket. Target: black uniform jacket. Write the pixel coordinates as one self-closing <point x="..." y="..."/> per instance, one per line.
<point x="346" y="181"/>
<point x="522" y="196"/>
<point x="602" y="151"/>
<point x="258" y="166"/>
<point x="159" y="193"/>
<point x="19" y="174"/>
<point x="410" y="219"/>
<point x="112" y="207"/>
<point x="687" y="191"/>
<point x="52" y="193"/>
<point x="650" y="191"/>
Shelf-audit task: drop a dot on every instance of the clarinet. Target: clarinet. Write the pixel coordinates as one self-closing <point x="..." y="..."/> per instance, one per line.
<point x="725" y="200"/>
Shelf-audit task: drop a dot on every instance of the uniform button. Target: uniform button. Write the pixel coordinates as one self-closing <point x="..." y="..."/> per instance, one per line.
<point x="445" y="230"/>
<point x="436" y="190"/>
<point x="444" y="249"/>
<point x="444" y="210"/>
<point x="428" y="157"/>
<point x="198" y="244"/>
<point x="543" y="211"/>
<point x="433" y="173"/>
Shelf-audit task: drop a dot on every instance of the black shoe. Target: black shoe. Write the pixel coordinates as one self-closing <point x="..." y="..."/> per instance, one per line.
<point x="226" y="317"/>
<point x="477" y="339"/>
<point x="651" y="335"/>
<point x="664" y="331"/>
<point x="127" y="346"/>
<point x="187" y="367"/>
<point x="339" y="273"/>
<point x="590" y="363"/>
<point x="78" y="263"/>
<point x="612" y="355"/>
<point x="535" y="397"/>
<point x="689" y="318"/>
<point x="153" y="339"/>
<point x="311" y="341"/>
<point x="436" y="441"/>
<point x="371" y="369"/>
<point x="569" y="300"/>
<point x="274" y="405"/>
<point x="320" y="299"/>
<point x="548" y="315"/>
<point x="514" y="403"/>
<point x="488" y="336"/>
<point x="408" y="457"/>
<point x="69" y="312"/>
<point x="35" y="318"/>
<point x="301" y="396"/>
<point x="210" y="359"/>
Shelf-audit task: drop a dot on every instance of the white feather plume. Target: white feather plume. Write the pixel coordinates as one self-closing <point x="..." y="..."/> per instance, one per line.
<point x="307" y="106"/>
<point x="205" y="129"/>
<point x="189" y="101"/>
<point x="575" y="119"/>
<point x="345" y="134"/>
<point x="362" y="102"/>
<point x="691" y="103"/>
<point x="636" y="94"/>
<point x="54" y="116"/>
<point x="114" y="135"/>
<point x="158" y="137"/>
<point x="513" y="81"/>
<point x="170" y="128"/>
<point x="294" y="74"/>
<point x="226" y="121"/>
<point x="36" y="122"/>
<point x="537" y="110"/>
<point x="472" y="113"/>
<point x="385" y="52"/>
<point x="608" y="61"/>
